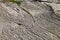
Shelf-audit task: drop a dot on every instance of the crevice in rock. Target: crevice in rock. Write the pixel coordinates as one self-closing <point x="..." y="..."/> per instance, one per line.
<point x="28" y="13"/>
<point x="41" y="1"/>
<point x="19" y="24"/>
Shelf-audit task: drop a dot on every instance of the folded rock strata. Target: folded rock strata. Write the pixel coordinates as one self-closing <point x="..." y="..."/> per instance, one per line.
<point x="29" y="21"/>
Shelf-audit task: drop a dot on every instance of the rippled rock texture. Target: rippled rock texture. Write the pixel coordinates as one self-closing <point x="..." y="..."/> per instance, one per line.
<point x="29" y="21"/>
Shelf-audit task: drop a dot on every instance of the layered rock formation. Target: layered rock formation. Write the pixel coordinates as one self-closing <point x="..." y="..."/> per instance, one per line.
<point x="29" y="21"/>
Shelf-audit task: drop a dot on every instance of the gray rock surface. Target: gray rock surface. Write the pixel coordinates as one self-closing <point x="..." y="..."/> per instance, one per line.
<point x="29" y="21"/>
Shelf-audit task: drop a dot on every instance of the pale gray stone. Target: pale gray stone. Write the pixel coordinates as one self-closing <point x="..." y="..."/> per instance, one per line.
<point x="29" y="21"/>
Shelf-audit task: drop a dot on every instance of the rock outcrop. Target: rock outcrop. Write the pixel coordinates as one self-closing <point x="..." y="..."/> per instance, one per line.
<point x="29" y="21"/>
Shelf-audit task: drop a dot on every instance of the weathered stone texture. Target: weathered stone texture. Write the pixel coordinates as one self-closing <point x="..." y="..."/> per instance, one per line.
<point x="29" y="21"/>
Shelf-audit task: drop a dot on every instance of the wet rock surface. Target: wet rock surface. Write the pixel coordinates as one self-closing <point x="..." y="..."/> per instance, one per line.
<point x="29" y="21"/>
